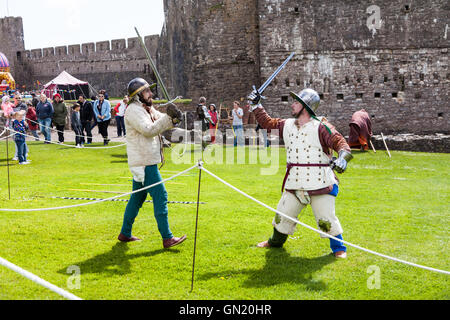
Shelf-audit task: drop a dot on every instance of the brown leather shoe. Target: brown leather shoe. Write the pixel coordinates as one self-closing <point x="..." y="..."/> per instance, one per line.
<point x="340" y="254"/>
<point x="123" y="238"/>
<point x="264" y="244"/>
<point x="173" y="241"/>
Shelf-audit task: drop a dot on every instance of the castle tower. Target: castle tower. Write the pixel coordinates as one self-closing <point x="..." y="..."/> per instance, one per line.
<point x="11" y="39"/>
<point x="210" y="48"/>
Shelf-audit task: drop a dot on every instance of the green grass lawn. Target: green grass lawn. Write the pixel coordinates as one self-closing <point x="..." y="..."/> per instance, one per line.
<point x="397" y="206"/>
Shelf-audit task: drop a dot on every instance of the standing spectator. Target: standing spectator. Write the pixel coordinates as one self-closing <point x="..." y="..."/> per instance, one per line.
<point x="102" y="111"/>
<point x="59" y="116"/>
<point x="32" y="121"/>
<point x="238" y="127"/>
<point x="212" y="126"/>
<point x="20" y="127"/>
<point x="86" y="117"/>
<point x="93" y="99"/>
<point x="44" y="112"/>
<point x="120" y="113"/>
<point x="76" y="125"/>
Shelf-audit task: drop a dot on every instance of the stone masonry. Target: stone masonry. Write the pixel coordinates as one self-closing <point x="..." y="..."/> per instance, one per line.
<point x="389" y="57"/>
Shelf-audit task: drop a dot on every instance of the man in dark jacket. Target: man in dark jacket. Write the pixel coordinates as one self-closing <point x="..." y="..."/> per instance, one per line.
<point x="44" y="112"/>
<point x="86" y="117"/>
<point x="76" y="124"/>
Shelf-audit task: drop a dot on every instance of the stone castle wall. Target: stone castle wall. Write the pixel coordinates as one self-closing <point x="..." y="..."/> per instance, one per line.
<point x="398" y="73"/>
<point x="210" y="48"/>
<point x="106" y="65"/>
<point x="397" y="70"/>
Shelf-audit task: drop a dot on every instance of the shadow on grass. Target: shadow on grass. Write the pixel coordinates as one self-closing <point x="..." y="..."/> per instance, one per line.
<point x="280" y="268"/>
<point x="122" y="156"/>
<point x="114" y="262"/>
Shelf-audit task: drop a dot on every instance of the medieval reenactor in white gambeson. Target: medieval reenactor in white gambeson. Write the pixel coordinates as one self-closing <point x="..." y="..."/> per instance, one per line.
<point x="309" y="178"/>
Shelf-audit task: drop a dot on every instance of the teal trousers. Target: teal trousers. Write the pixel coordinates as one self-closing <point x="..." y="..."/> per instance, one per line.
<point x="159" y="197"/>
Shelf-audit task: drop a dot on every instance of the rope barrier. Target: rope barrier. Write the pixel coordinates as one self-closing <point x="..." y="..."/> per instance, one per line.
<point x="67" y="145"/>
<point x="38" y="280"/>
<point x="321" y="232"/>
<point x="56" y="130"/>
<point x="4" y="138"/>
<point x="103" y="200"/>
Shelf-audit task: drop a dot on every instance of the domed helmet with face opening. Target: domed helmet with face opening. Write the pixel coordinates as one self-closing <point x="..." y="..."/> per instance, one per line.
<point x="309" y="98"/>
<point x="137" y="85"/>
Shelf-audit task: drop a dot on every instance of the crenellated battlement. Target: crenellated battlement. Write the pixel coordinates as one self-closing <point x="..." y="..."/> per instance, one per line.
<point x="95" y="50"/>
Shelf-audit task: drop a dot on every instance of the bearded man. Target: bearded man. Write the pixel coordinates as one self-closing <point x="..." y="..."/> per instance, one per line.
<point x="145" y="151"/>
<point x="309" y="178"/>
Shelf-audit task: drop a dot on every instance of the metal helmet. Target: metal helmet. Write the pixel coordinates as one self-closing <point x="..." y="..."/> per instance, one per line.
<point x="137" y="85"/>
<point x="309" y="98"/>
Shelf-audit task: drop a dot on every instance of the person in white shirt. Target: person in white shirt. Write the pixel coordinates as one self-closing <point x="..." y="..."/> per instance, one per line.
<point x="238" y="127"/>
<point x="120" y="114"/>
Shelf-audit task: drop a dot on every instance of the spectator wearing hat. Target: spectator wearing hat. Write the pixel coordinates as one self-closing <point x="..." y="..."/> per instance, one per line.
<point x="214" y="118"/>
<point x="44" y="112"/>
<point x="59" y="116"/>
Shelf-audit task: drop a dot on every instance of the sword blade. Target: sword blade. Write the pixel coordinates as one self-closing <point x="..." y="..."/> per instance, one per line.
<point x="270" y="79"/>
<point x="153" y="66"/>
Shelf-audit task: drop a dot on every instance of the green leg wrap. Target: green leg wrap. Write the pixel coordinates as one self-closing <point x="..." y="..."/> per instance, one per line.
<point x="278" y="239"/>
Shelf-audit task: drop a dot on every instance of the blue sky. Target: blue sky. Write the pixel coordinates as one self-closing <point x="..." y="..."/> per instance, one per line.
<point x="49" y="23"/>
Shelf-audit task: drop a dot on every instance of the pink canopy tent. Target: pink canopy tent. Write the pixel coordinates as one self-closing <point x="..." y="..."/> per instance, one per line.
<point x="67" y="86"/>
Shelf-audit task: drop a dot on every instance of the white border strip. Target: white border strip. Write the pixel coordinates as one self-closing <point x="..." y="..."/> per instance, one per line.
<point x="38" y="280"/>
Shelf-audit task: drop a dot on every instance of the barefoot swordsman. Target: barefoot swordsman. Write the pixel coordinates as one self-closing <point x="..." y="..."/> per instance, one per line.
<point x="309" y="178"/>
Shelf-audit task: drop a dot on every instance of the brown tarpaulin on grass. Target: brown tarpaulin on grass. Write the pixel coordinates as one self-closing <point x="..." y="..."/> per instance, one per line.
<point x="360" y="130"/>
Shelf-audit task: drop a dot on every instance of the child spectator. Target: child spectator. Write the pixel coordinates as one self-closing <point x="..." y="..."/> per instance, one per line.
<point x="32" y="121"/>
<point x="7" y="108"/>
<point x="76" y="125"/>
<point x="20" y="127"/>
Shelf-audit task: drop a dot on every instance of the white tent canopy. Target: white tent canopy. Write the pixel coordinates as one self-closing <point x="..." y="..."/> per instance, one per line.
<point x="65" y="79"/>
<point x="67" y="85"/>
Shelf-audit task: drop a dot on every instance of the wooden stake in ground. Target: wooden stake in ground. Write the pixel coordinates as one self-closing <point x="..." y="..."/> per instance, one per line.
<point x="373" y="148"/>
<point x="384" y="141"/>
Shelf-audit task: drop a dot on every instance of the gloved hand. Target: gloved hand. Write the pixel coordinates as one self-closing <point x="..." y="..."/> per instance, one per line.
<point x="254" y="99"/>
<point x="174" y="113"/>
<point x="340" y="164"/>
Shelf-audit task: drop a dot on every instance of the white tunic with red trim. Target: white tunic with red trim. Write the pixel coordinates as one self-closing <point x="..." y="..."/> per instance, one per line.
<point x="303" y="147"/>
